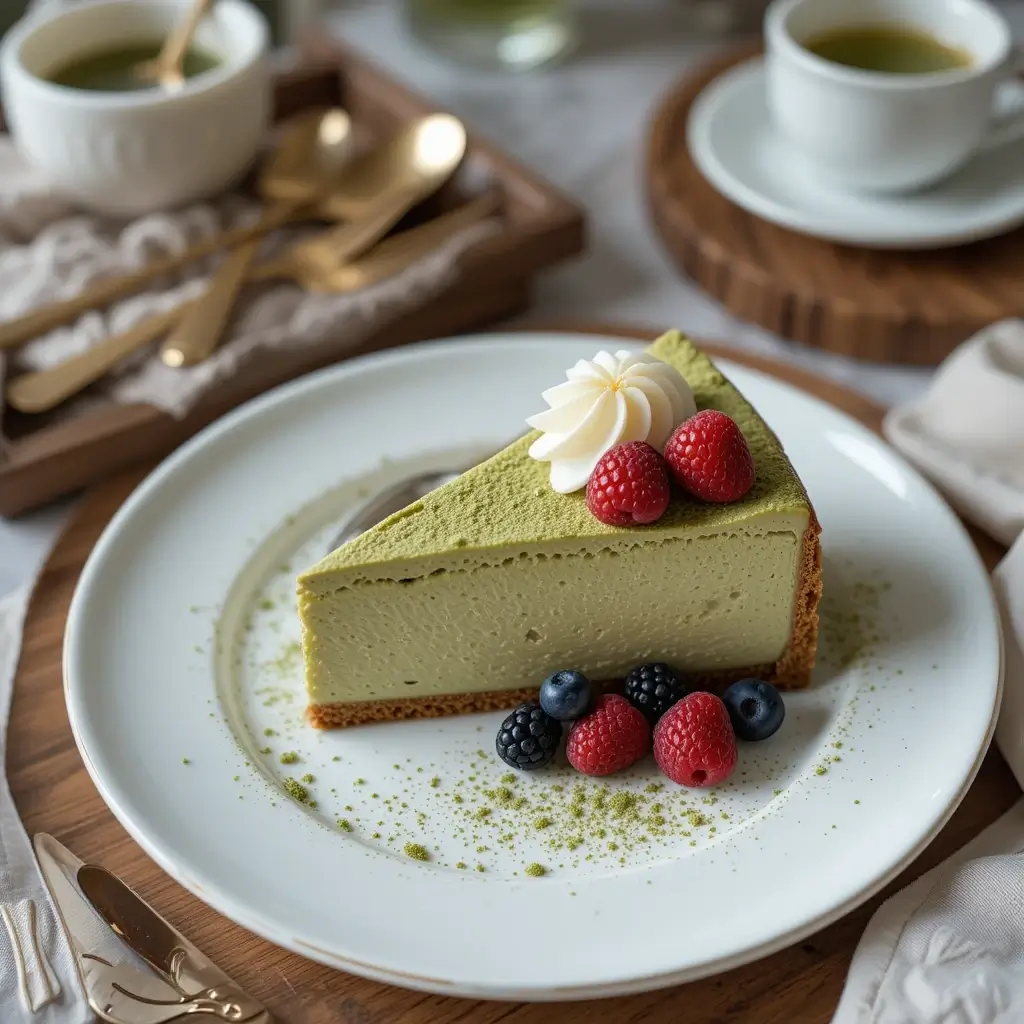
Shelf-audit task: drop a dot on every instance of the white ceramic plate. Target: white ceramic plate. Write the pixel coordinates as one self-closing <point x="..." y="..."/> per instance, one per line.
<point x="181" y="648"/>
<point x="731" y="139"/>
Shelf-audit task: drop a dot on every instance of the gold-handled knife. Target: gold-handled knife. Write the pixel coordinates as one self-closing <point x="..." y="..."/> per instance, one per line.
<point x="134" y="967"/>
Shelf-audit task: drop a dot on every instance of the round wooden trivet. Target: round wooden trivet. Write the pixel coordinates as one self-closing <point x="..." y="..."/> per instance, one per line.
<point x="800" y="985"/>
<point x="889" y="307"/>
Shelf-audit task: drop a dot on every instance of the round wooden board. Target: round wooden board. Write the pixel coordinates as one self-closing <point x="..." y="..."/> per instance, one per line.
<point x="889" y="307"/>
<point x="54" y="794"/>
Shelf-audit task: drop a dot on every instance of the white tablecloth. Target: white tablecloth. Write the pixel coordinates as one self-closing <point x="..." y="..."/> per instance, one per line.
<point x="583" y="125"/>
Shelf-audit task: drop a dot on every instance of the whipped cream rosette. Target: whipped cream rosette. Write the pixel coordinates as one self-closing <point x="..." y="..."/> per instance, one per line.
<point x="605" y="401"/>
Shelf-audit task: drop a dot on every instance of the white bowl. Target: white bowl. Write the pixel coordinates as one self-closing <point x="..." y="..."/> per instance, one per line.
<point x="128" y="153"/>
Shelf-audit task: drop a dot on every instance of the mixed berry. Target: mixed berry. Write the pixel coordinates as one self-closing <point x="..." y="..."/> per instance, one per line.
<point x="710" y="458"/>
<point x="612" y="737"/>
<point x="629" y="486"/>
<point x="707" y="455"/>
<point x="653" y="689"/>
<point x="694" y="744"/>
<point x="693" y="732"/>
<point x="528" y="738"/>
<point x="566" y="695"/>
<point x="755" y="708"/>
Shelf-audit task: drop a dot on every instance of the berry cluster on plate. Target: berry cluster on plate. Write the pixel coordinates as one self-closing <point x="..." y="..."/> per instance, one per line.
<point x="707" y="455"/>
<point x="693" y="732"/>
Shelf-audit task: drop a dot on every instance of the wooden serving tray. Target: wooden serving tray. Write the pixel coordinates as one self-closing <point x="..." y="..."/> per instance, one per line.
<point x="53" y="793"/>
<point x="883" y="306"/>
<point x="49" y="456"/>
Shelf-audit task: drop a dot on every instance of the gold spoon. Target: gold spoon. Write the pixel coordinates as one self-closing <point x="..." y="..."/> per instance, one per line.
<point x="309" y="160"/>
<point x="307" y="262"/>
<point x="384" y="183"/>
<point x="167" y="68"/>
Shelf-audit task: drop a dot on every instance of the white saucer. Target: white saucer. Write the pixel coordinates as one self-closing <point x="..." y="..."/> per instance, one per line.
<point x="732" y="142"/>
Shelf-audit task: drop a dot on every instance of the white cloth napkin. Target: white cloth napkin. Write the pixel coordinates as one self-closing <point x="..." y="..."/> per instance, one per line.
<point x="949" y="949"/>
<point x="51" y="251"/>
<point x="967" y="432"/>
<point x="38" y="982"/>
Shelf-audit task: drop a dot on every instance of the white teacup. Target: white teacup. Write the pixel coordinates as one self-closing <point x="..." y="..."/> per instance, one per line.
<point x="885" y="132"/>
<point x="129" y="153"/>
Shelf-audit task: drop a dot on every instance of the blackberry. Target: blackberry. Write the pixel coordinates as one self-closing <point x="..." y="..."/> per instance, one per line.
<point x="528" y="738"/>
<point x="653" y="689"/>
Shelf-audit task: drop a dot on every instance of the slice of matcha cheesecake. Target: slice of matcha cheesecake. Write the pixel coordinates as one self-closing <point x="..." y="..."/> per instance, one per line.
<point x="465" y="600"/>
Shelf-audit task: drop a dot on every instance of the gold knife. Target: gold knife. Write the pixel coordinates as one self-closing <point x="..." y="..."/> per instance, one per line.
<point x="134" y="967"/>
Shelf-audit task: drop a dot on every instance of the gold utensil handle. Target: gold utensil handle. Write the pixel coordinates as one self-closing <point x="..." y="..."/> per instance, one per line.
<point x="15" y="332"/>
<point x="198" y="331"/>
<point x="44" y="389"/>
<point x="353" y="239"/>
<point x="172" y="55"/>
<point x="399" y="251"/>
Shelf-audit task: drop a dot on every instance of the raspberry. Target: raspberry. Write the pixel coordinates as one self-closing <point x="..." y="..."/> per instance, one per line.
<point x="610" y="738"/>
<point x="694" y="743"/>
<point x="629" y="486"/>
<point x="710" y="457"/>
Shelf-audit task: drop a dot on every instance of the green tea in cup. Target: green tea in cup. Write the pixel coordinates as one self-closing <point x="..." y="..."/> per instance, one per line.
<point x="891" y="49"/>
<point x="115" y="70"/>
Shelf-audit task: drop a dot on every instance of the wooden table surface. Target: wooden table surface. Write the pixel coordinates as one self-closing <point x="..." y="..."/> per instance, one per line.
<point x="799" y="985"/>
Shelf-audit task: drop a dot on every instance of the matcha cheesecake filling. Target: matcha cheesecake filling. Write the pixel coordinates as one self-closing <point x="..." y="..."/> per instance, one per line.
<point x="466" y="599"/>
<point x="701" y="601"/>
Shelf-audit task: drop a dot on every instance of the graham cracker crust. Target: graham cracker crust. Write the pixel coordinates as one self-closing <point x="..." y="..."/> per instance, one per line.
<point x="341" y="715"/>
<point x="791" y="672"/>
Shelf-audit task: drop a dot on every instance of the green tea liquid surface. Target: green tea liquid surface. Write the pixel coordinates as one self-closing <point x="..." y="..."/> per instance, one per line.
<point x="115" y="70"/>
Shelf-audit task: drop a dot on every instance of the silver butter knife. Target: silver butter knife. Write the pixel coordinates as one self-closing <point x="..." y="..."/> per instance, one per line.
<point x="150" y="973"/>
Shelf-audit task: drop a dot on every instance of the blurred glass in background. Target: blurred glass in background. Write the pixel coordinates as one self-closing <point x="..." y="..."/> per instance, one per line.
<point x="285" y="17"/>
<point x="516" y="34"/>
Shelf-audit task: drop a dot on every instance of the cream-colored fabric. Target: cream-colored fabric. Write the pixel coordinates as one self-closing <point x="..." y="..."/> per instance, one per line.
<point x="967" y="431"/>
<point x="38" y="983"/>
<point x="949" y="949"/>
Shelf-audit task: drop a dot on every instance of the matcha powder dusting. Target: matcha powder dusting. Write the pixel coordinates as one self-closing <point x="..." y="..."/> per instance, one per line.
<point x="623" y="805"/>
<point x="296" y="790"/>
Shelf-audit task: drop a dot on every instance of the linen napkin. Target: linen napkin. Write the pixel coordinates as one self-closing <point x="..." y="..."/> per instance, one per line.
<point x="51" y="251"/>
<point x="949" y="949"/>
<point x="38" y="982"/>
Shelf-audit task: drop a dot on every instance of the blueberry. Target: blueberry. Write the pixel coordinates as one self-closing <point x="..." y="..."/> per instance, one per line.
<point x="565" y="695"/>
<point x="755" y="707"/>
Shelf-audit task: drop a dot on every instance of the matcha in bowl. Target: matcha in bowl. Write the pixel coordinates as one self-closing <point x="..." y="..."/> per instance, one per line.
<point x="117" y="69"/>
<point x="121" y="146"/>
